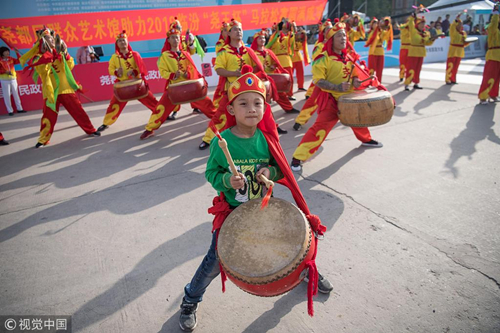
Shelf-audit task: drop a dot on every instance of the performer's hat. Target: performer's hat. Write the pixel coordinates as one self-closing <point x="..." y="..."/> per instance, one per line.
<point x="336" y="28"/>
<point x="326" y="24"/>
<point x="247" y="82"/>
<point x="173" y="31"/>
<point x="224" y="26"/>
<point x="176" y="24"/>
<point x="122" y="34"/>
<point x="234" y="23"/>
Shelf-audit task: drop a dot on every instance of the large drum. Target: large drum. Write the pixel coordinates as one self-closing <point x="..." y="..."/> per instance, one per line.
<point x="187" y="91"/>
<point x="264" y="251"/>
<point x="283" y="82"/>
<point x="129" y="90"/>
<point x="365" y="108"/>
<point x="267" y="85"/>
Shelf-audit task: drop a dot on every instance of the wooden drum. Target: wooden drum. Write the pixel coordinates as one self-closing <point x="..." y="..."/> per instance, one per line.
<point x="264" y="251"/>
<point x="267" y="85"/>
<point x="365" y="108"/>
<point x="187" y="91"/>
<point x="129" y="90"/>
<point x="283" y="83"/>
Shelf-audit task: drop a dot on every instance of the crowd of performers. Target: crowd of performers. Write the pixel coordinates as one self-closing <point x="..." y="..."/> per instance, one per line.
<point x="284" y="51"/>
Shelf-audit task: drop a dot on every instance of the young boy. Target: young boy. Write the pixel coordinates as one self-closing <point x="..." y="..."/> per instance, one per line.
<point x="251" y="134"/>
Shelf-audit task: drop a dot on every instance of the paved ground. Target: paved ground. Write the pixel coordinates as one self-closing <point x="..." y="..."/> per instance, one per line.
<point x="110" y="229"/>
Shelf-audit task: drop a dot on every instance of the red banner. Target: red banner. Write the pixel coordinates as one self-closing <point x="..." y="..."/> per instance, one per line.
<point x="95" y="79"/>
<point x="102" y="28"/>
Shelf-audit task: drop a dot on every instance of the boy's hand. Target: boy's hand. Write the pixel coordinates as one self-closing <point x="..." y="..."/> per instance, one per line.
<point x="119" y="71"/>
<point x="262" y="171"/>
<point x="237" y="182"/>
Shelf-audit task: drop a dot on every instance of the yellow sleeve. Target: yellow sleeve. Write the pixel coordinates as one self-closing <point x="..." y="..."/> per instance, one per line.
<point x="113" y="64"/>
<point x="221" y="59"/>
<point x="319" y="67"/>
<point x="71" y="63"/>
<point x="493" y="27"/>
<point x="165" y="66"/>
<point x="427" y="40"/>
<point x="453" y="30"/>
<point x="411" y="25"/>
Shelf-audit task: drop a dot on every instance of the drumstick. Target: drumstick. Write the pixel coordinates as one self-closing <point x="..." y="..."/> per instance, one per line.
<point x="349" y="77"/>
<point x="223" y="146"/>
<point x="269" y="184"/>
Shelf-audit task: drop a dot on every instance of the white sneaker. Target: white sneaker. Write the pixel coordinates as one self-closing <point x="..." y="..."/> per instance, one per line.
<point x="494" y="100"/>
<point x="373" y="144"/>
<point x="295" y="165"/>
<point x="483" y="101"/>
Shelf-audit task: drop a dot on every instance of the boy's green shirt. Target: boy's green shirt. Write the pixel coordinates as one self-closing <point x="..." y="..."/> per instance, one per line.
<point x="249" y="156"/>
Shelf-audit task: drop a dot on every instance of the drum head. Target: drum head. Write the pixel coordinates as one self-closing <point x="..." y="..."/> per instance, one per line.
<point x="368" y="95"/>
<point x="259" y="245"/>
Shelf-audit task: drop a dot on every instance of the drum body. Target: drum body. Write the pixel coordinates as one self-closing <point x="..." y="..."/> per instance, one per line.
<point x="365" y="108"/>
<point x="129" y="90"/>
<point x="187" y="91"/>
<point x="264" y="252"/>
<point x="267" y="84"/>
<point x="282" y="81"/>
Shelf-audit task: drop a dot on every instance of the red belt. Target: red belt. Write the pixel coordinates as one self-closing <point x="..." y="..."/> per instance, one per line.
<point x="405" y="44"/>
<point x="457" y="45"/>
<point x="494" y="47"/>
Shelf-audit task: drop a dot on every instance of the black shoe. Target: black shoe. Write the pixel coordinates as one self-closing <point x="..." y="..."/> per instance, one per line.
<point x="417" y="87"/>
<point x="196" y="110"/>
<point x="372" y="143"/>
<point x="294" y="110"/>
<point x="21" y="111"/>
<point x="172" y="116"/>
<point x="102" y="128"/>
<point x="291" y="98"/>
<point x="203" y="145"/>
<point x="187" y="320"/>
<point x="38" y="145"/>
<point x="407" y="88"/>
<point x="401" y="80"/>
<point x="324" y="286"/>
<point x="307" y="97"/>
<point x="297" y="126"/>
<point x="96" y="133"/>
<point x="452" y="82"/>
<point x="11" y="113"/>
<point x="302" y="89"/>
<point x="281" y="131"/>
<point x="295" y="165"/>
<point x="448" y="83"/>
<point x="3" y="142"/>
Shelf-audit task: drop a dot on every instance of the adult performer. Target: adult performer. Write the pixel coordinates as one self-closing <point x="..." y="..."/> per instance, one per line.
<point x="300" y="59"/>
<point x="125" y="64"/>
<point x="331" y="72"/>
<point x="354" y="27"/>
<point x="271" y="64"/>
<point x="491" y="74"/>
<point x="456" y="51"/>
<point x="53" y="65"/>
<point x="403" y="50"/>
<point x="175" y="66"/>
<point x="228" y="65"/>
<point x="419" y="39"/>
<point x="281" y="43"/>
<point x="380" y="32"/>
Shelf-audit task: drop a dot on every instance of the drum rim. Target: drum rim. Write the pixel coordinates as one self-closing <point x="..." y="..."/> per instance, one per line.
<point x="127" y="83"/>
<point x="281" y="273"/>
<point x="181" y="83"/>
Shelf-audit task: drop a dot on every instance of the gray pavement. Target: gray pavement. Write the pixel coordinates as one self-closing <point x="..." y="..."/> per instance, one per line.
<point x="110" y="229"/>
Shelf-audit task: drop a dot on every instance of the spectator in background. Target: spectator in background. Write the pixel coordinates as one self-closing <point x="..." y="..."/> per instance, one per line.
<point x="445" y="25"/>
<point x="85" y="55"/>
<point x="467" y="25"/>
<point x="432" y="29"/>
<point x="8" y="79"/>
<point x="439" y="28"/>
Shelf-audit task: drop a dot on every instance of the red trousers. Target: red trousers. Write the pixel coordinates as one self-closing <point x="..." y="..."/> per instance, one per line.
<point x="413" y="68"/>
<point x="314" y="137"/>
<point x="403" y="56"/>
<point x="310" y="106"/>
<point x="165" y="108"/>
<point x="218" y="119"/>
<point x="452" y="69"/>
<point x="115" y="108"/>
<point x="376" y="64"/>
<point x="75" y="109"/>
<point x="491" y="79"/>
<point x="290" y="71"/>
<point x="298" y="67"/>
<point x="284" y="102"/>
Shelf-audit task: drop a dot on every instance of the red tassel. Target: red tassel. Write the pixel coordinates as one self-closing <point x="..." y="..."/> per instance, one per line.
<point x="265" y="201"/>
<point x="223" y="278"/>
<point x="215" y="130"/>
<point x="312" y="286"/>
